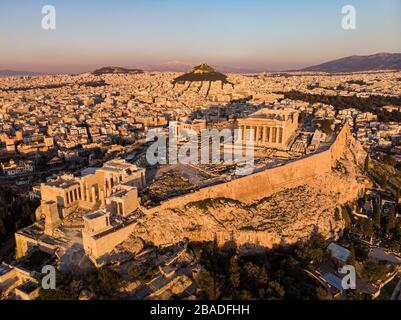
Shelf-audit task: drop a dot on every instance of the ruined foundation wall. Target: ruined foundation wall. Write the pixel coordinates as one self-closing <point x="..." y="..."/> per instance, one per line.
<point x="24" y="243"/>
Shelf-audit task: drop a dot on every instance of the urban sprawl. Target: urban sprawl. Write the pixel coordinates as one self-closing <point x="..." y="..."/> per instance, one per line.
<point x="77" y="191"/>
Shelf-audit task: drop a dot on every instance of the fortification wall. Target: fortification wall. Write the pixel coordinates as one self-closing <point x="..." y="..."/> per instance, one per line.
<point x="245" y="189"/>
<point x="98" y="247"/>
<point x="262" y="184"/>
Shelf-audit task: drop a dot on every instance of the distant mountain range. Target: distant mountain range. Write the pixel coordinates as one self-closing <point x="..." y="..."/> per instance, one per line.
<point x="15" y="73"/>
<point x="379" y="61"/>
<point x="178" y="66"/>
<point x="107" y="70"/>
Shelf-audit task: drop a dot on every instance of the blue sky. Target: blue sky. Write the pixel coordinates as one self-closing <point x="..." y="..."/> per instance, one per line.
<point x="255" y="34"/>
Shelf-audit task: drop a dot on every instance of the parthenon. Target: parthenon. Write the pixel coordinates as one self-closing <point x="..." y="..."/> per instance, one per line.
<point x="274" y="127"/>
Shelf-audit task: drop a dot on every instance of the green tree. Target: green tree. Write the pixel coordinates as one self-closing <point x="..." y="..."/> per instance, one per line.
<point x="325" y="126"/>
<point x="387" y="159"/>
<point x="206" y="285"/>
<point x="235" y="276"/>
<point x="375" y="271"/>
<point x="275" y="291"/>
<point x="366" y="164"/>
<point x="66" y="289"/>
<point x="391" y="220"/>
<point x="361" y="253"/>
<point x="397" y="194"/>
<point x="337" y="216"/>
<point x="351" y="258"/>
<point x="377" y="216"/>
<point x="103" y="282"/>
<point x="263" y="278"/>
<point x="245" y="295"/>
<point x="311" y="250"/>
<point x="346" y="217"/>
<point x="216" y="253"/>
<point x="366" y="227"/>
<point x="251" y="271"/>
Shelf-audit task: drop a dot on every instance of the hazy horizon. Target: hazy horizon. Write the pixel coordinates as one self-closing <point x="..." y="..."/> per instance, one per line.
<point x="245" y="35"/>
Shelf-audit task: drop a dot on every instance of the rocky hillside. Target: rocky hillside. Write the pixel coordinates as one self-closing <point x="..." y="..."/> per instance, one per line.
<point x="283" y="217"/>
<point x="380" y="61"/>
<point x="15" y="73"/>
<point x="115" y="70"/>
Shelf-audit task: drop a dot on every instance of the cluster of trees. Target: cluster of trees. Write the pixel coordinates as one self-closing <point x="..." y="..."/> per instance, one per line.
<point x="359" y="252"/>
<point x="365" y="226"/>
<point x="98" y="283"/>
<point x="278" y="274"/>
<point x="15" y="213"/>
<point x="325" y="126"/>
<point x="393" y="235"/>
<point x="360" y="82"/>
<point x="389" y="160"/>
<point x="374" y="271"/>
<point x="346" y="215"/>
<point x="387" y="175"/>
<point x="376" y="224"/>
<point x="386" y="227"/>
<point x="372" y="104"/>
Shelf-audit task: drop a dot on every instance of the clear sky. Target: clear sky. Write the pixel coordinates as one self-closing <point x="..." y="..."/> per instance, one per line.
<point x="255" y="34"/>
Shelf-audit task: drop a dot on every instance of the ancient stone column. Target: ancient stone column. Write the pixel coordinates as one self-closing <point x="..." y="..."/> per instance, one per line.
<point x="93" y="195"/>
<point x="86" y="190"/>
<point x="280" y="135"/>
<point x="257" y="131"/>
<point x="242" y="133"/>
<point x="102" y="198"/>
<point x="267" y="134"/>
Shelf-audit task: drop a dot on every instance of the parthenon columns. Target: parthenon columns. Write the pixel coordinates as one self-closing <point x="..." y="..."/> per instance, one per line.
<point x="260" y="133"/>
<point x="67" y="198"/>
<point x="257" y="131"/>
<point x="266" y="134"/>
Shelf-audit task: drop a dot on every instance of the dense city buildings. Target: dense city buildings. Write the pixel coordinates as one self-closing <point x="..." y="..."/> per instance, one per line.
<point x="210" y="157"/>
<point x="77" y="145"/>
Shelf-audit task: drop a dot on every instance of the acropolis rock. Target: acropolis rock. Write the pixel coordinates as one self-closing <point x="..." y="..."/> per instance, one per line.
<point x="286" y="216"/>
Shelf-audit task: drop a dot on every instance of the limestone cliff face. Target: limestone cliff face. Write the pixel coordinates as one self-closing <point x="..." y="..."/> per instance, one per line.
<point x="285" y="216"/>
